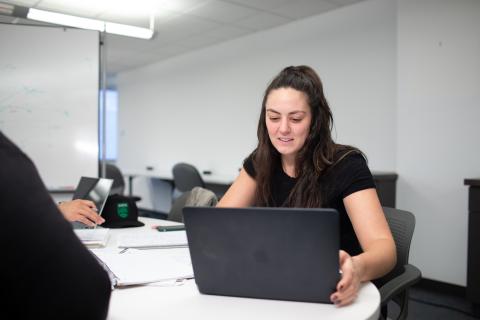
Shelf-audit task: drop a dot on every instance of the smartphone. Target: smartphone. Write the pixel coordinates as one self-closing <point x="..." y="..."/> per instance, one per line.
<point x="170" y="228"/>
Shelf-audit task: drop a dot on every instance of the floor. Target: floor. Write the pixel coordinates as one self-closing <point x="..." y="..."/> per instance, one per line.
<point x="430" y="304"/>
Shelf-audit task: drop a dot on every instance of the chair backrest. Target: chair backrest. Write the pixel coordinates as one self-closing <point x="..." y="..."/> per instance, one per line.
<point x="395" y="285"/>
<point x="176" y="213"/>
<point x="197" y="197"/>
<point x="402" y="225"/>
<point x="186" y="177"/>
<point x="113" y="172"/>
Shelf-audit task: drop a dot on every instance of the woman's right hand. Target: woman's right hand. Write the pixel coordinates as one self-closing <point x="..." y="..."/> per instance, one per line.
<point x="348" y="286"/>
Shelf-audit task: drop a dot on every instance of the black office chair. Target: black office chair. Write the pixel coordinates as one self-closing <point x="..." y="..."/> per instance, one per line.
<point x="186" y="177"/>
<point x="394" y="286"/>
<point x="118" y="186"/>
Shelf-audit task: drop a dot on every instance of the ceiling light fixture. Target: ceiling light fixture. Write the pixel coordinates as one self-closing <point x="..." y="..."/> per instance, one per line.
<point x="91" y="24"/>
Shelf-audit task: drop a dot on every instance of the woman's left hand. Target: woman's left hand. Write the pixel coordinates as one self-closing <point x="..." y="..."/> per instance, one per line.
<point x="348" y="286"/>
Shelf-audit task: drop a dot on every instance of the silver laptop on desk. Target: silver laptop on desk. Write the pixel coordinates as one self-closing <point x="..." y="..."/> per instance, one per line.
<point x="93" y="189"/>
<point x="272" y="253"/>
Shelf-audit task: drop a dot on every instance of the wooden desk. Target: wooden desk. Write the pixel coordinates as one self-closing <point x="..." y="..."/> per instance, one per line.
<point x="185" y="302"/>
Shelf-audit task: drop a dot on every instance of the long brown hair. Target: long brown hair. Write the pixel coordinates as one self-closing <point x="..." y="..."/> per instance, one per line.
<point x="317" y="154"/>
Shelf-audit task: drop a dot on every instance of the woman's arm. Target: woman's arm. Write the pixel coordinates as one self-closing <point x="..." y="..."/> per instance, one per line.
<point x="373" y="233"/>
<point x="241" y="193"/>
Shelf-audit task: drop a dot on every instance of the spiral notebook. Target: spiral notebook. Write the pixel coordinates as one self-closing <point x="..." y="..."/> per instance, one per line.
<point x="93" y="238"/>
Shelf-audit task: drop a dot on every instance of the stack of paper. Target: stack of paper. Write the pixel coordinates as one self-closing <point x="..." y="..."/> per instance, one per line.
<point x="135" y="267"/>
<point x="169" y="239"/>
<point x="93" y="238"/>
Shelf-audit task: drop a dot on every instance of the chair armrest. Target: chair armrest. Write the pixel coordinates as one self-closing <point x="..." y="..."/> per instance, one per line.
<point x="407" y="278"/>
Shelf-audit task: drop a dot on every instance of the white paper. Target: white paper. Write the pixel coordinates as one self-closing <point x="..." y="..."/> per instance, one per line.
<point x="146" y="266"/>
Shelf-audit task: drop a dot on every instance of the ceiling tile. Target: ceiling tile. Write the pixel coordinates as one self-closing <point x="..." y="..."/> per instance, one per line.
<point x="167" y="49"/>
<point x="227" y="32"/>
<point x="182" y="27"/>
<point x="163" y="16"/>
<point x="260" y="4"/>
<point x="199" y="41"/>
<point x="120" y="43"/>
<point x="137" y="20"/>
<point x="344" y="2"/>
<point x="223" y="11"/>
<point x="142" y="18"/>
<point x="182" y="6"/>
<point x="303" y="8"/>
<point x="262" y="21"/>
<point x="148" y="58"/>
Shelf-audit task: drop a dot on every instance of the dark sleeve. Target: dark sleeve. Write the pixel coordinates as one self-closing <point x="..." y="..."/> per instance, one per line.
<point x="47" y="273"/>
<point x="352" y="175"/>
<point x="248" y="166"/>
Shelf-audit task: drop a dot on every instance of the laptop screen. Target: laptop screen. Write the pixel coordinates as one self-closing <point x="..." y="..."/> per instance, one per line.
<point x="93" y="189"/>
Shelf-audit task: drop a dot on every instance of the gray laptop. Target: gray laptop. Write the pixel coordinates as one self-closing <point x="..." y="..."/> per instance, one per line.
<point x="272" y="253"/>
<point x="93" y="189"/>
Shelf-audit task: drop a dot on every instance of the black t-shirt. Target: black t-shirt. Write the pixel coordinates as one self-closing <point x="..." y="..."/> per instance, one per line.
<point x="349" y="175"/>
<point x="46" y="272"/>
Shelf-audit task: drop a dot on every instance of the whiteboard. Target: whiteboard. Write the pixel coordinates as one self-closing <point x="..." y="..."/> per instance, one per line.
<point x="49" y="99"/>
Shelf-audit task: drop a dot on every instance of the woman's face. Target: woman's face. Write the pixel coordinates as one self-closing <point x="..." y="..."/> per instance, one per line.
<point x="288" y="119"/>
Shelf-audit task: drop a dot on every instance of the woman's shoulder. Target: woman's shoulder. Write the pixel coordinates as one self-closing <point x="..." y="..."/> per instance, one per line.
<point x="349" y="172"/>
<point x="347" y="162"/>
<point x="348" y="157"/>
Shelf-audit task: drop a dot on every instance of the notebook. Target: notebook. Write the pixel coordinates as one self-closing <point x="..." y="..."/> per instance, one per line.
<point x="158" y="240"/>
<point x="272" y="253"/>
<point x="135" y="267"/>
<point x="93" y="189"/>
<point x="93" y="238"/>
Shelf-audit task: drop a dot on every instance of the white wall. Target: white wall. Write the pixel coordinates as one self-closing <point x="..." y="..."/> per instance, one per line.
<point x="438" y="128"/>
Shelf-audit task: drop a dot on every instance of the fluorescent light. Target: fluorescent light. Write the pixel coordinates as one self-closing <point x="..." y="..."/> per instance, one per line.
<point x="65" y="20"/>
<point x="91" y="24"/>
<point x="126" y="30"/>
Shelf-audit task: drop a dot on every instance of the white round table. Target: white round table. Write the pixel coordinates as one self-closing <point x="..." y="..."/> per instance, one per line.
<point x="184" y="301"/>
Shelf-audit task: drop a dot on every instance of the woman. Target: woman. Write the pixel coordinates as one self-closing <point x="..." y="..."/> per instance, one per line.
<point x="297" y="164"/>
